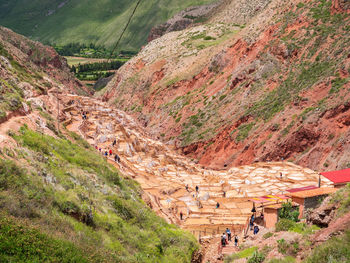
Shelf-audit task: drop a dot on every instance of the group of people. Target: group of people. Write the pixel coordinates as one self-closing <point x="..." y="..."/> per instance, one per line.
<point x="254" y="226"/>
<point x="227" y="236"/>
<point x="109" y="152"/>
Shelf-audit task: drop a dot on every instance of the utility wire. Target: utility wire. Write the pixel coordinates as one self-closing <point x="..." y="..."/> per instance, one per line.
<point x="126" y="26"/>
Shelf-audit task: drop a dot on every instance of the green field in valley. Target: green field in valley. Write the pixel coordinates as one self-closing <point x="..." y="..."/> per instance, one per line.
<point x="99" y="22"/>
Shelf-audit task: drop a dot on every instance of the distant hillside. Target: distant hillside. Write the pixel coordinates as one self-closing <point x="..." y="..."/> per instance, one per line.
<point x="89" y="21"/>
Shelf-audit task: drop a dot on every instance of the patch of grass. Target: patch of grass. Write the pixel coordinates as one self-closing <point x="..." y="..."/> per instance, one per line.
<point x="246" y="253"/>
<point x="337" y="249"/>
<point x="337" y="84"/>
<point x="304" y="229"/>
<point x="267" y="235"/>
<point x="243" y="131"/>
<point x="20" y="243"/>
<point x="288" y="259"/>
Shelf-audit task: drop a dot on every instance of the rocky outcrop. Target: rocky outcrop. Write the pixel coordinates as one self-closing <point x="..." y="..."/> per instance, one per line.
<point x="323" y="215"/>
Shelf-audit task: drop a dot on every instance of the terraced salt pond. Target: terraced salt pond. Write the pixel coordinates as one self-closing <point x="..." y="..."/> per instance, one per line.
<point x="163" y="174"/>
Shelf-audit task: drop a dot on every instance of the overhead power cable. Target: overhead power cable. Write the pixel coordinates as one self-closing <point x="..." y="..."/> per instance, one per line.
<point x="126" y="26"/>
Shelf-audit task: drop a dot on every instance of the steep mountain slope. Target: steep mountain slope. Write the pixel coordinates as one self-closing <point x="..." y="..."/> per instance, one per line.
<point x="28" y="68"/>
<point x="261" y="80"/>
<point x="98" y="22"/>
<point x="61" y="201"/>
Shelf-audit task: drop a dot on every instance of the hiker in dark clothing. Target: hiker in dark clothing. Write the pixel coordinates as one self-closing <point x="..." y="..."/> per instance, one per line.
<point x="223" y="240"/>
<point x="251" y="222"/>
<point x="106" y="154"/>
<point x="117" y="158"/>
<point x="197" y="188"/>
<point x="256" y="229"/>
<point x="114" y="142"/>
<point x="224" y="194"/>
<point x="217" y="205"/>
<point x="228" y="231"/>
<point x="181" y="215"/>
<point x="186" y="187"/>
<point x="236" y="240"/>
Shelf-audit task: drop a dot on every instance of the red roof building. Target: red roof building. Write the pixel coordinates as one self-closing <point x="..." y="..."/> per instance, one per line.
<point x="339" y="178"/>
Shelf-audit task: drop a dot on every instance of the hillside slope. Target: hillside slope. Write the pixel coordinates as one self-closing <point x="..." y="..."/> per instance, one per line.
<point x="98" y="22"/>
<point x="61" y="201"/>
<point x="27" y="69"/>
<point x="260" y="81"/>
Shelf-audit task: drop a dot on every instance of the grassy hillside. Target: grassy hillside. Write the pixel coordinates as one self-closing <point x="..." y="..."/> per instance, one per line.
<point x="62" y="202"/>
<point x="99" y="22"/>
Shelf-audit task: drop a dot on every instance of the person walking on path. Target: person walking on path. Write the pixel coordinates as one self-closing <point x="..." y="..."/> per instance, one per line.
<point x="251" y="222"/>
<point x="181" y="215"/>
<point x="186" y="187"/>
<point x="223" y="240"/>
<point x="236" y="240"/>
<point x="228" y="232"/>
<point x="117" y="158"/>
<point x="217" y="205"/>
<point x="197" y="188"/>
<point x="110" y="152"/>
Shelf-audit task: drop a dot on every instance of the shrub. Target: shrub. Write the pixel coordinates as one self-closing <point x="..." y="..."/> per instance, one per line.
<point x="257" y="258"/>
<point x="284" y="225"/>
<point x="287" y="248"/>
<point x="288" y="212"/>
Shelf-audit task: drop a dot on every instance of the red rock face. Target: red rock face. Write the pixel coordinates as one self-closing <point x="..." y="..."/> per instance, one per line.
<point x="309" y="127"/>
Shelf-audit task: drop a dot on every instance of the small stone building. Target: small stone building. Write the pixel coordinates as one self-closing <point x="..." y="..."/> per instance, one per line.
<point x="310" y="198"/>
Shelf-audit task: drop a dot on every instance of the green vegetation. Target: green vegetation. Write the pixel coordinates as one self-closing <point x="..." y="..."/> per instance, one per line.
<point x="342" y="196"/>
<point x="11" y="95"/>
<point x="97" y="215"/>
<point x="256" y="258"/>
<point x="20" y="243"/>
<point x="289" y="212"/>
<point x="90" y="22"/>
<point x="287" y="248"/>
<point x="284" y="225"/>
<point x="246" y="253"/>
<point x="267" y="235"/>
<point x="90" y="51"/>
<point x="94" y="71"/>
<point x="337" y="249"/>
<point x="243" y="131"/>
<point x="288" y="259"/>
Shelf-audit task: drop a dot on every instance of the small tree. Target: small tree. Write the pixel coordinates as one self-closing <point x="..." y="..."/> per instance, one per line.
<point x="289" y="212"/>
